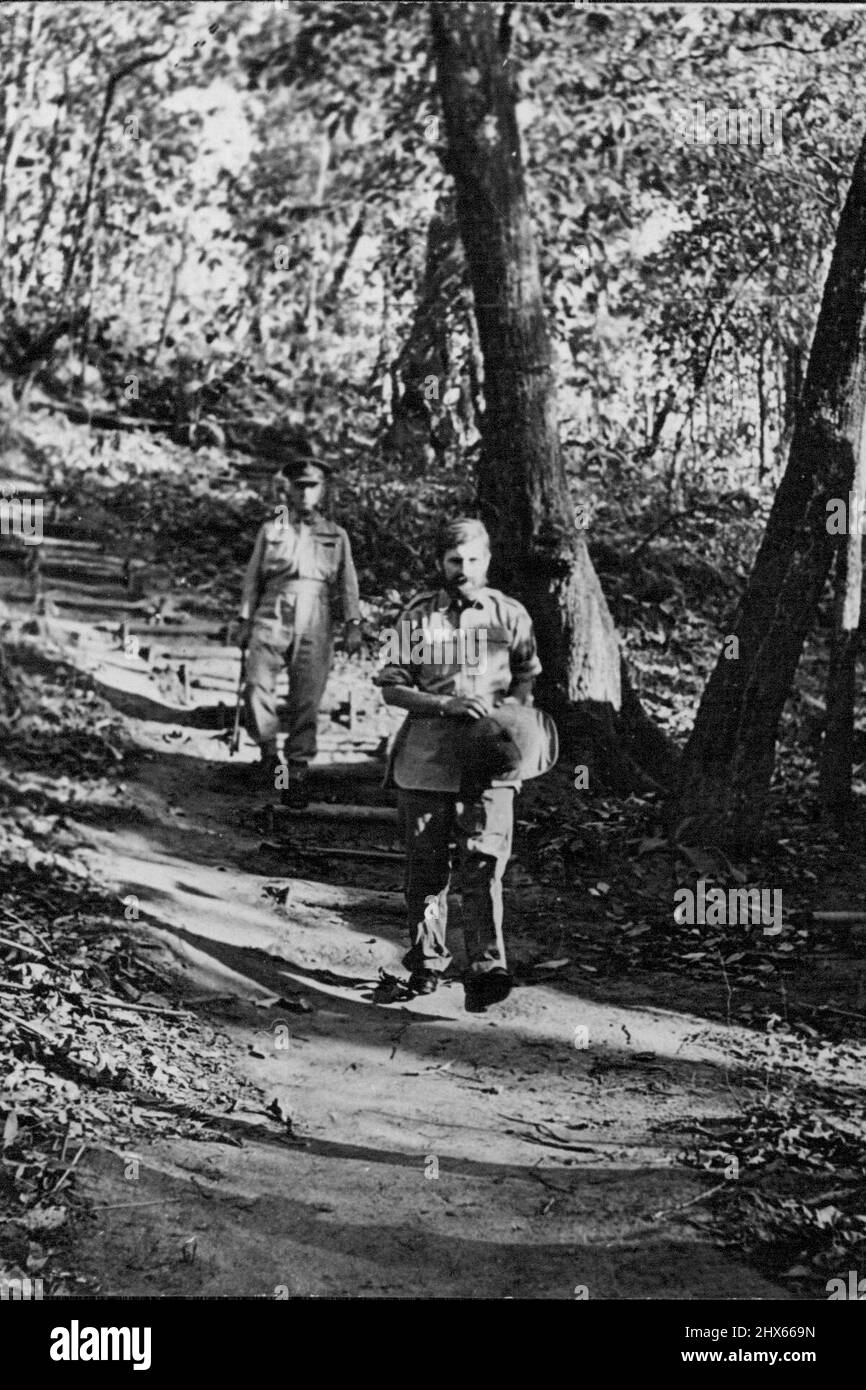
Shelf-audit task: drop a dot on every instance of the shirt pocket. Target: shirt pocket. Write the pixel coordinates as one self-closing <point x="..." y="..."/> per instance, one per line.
<point x="496" y="636"/>
<point x="490" y="654"/>
<point x="440" y="652"/>
<point x="326" y="552"/>
<point x="278" y="552"/>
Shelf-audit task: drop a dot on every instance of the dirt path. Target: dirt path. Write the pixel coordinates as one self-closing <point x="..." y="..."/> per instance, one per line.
<point x="528" y="1152"/>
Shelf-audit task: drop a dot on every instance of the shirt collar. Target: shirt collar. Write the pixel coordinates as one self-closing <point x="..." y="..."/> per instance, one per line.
<point x="444" y="601"/>
<point x="297" y="520"/>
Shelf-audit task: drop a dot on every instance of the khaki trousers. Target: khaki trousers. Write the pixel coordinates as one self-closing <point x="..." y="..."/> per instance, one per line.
<point x="306" y="650"/>
<point x="481" y="830"/>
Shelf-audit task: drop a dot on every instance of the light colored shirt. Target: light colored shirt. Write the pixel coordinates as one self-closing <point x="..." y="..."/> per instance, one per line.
<point x="496" y="647"/>
<point x="289" y="550"/>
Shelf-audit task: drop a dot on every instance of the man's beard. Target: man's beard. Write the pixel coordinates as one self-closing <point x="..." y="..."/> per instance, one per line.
<point x="459" y="586"/>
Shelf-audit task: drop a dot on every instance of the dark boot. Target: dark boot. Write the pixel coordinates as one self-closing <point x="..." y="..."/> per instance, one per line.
<point x="485" y="988"/>
<point x="424" y="981"/>
<point x="297" y="793"/>
<point x="266" y="769"/>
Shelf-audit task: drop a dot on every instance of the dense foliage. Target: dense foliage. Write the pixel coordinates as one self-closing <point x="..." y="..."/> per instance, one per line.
<point x="219" y="212"/>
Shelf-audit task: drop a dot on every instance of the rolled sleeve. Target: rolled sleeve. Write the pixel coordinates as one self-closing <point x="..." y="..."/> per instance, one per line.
<point x="393" y="671"/>
<point x="349" y="591"/>
<point x="393" y="675"/>
<point x="252" y="578"/>
<point x="524" y="652"/>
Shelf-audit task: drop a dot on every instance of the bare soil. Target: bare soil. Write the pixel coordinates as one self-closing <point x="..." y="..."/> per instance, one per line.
<point x="527" y="1152"/>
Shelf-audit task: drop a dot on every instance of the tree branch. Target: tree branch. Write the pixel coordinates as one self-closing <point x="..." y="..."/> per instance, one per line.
<point x="114" y="80"/>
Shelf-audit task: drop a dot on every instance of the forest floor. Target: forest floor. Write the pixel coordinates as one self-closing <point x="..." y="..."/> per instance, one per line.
<point x="204" y="1096"/>
<point x="547" y="1148"/>
<point x="428" y="1152"/>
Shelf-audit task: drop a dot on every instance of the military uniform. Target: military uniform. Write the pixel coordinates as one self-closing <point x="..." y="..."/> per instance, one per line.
<point x="297" y="571"/>
<point x="435" y="808"/>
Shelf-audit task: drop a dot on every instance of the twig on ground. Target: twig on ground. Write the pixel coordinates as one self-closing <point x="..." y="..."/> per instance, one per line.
<point x="19" y="946"/>
<point x="681" y="1206"/>
<point x="94" y="1002"/>
<point x="553" y="1186"/>
<point x="29" y="1027"/>
<point x="117" y="1206"/>
<point x="65" y="1174"/>
<point x="829" y="1009"/>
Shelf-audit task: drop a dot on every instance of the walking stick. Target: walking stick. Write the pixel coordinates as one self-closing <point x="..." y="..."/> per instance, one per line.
<point x="235" y="741"/>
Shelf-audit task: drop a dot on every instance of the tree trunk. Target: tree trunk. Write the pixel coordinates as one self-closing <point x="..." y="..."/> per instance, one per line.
<point x="762" y="406"/>
<point x="728" y="763"/>
<point x="540" y="551"/>
<point x="837" y="751"/>
<point x="421" y="372"/>
<point x="317" y="238"/>
<point x="837" y="748"/>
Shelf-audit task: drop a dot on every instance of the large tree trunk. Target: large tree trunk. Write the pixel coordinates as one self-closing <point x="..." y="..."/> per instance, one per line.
<point x="837" y="751"/>
<point x="837" y="747"/>
<point x="728" y="763"/>
<point x="421" y="372"/>
<point x="539" y="550"/>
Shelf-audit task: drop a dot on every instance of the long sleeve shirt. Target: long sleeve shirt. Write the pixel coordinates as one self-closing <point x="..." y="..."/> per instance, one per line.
<point x="287" y="551"/>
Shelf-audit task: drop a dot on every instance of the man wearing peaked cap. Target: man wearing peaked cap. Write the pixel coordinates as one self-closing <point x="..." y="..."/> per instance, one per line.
<point x="470" y="736"/>
<point x="301" y="568"/>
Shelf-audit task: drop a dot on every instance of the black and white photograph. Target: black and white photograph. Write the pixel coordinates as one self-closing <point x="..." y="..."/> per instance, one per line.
<point x="432" y="721"/>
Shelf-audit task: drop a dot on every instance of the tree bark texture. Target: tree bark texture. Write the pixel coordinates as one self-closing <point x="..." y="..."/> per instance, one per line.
<point x="837" y="750"/>
<point x="421" y="373"/>
<point x="540" y="552"/>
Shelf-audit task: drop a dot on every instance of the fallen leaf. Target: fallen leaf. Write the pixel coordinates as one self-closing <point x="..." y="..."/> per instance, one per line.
<point x="10" y="1129"/>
